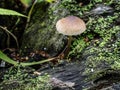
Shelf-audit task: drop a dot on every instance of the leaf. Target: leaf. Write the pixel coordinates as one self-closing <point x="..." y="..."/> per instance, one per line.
<point x="50" y="1"/>
<point x="26" y="2"/>
<point x="7" y="59"/>
<point x="11" y="61"/>
<point x="10" y="12"/>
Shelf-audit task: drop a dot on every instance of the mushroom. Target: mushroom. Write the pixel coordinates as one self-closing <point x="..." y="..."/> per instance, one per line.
<point x="70" y="26"/>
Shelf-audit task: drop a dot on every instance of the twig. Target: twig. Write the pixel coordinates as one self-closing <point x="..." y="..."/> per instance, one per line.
<point x="5" y="29"/>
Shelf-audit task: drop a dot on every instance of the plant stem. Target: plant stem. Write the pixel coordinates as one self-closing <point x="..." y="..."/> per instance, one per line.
<point x="35" y="63"/>
<point x="30" y="12"/>
<point x="8" y="32"/>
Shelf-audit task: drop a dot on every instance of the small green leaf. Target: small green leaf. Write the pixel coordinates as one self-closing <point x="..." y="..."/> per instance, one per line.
<point x="27" y="3"/>
<point x="11" y="61"/>
<point x="10" y="12"/>
<point x="7" y="59"/>
<point x="50" y="1"/>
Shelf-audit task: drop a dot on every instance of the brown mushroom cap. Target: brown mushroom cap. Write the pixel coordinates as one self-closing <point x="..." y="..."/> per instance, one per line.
<point x="71" y="25"/>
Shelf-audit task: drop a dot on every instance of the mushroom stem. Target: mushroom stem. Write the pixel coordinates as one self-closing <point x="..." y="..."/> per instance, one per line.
<point x="67" y="49"/>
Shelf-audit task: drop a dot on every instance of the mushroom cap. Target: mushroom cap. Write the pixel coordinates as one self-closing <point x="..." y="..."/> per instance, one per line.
<point x="70" y="25"/>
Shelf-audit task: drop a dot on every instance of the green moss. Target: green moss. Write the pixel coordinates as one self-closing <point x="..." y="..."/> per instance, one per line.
<point x="23" y="79"/>
<point x="77" y="46"/>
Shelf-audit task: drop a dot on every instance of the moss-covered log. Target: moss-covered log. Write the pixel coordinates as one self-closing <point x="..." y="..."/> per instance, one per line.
<point x="97" y="50"/>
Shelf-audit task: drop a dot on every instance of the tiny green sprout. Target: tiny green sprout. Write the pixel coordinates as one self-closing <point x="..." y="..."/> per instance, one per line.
<point x="50" y="1"/>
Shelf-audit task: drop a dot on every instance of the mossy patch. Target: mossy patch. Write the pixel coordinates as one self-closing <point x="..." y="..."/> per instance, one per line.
<point x="17" y="78"/>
